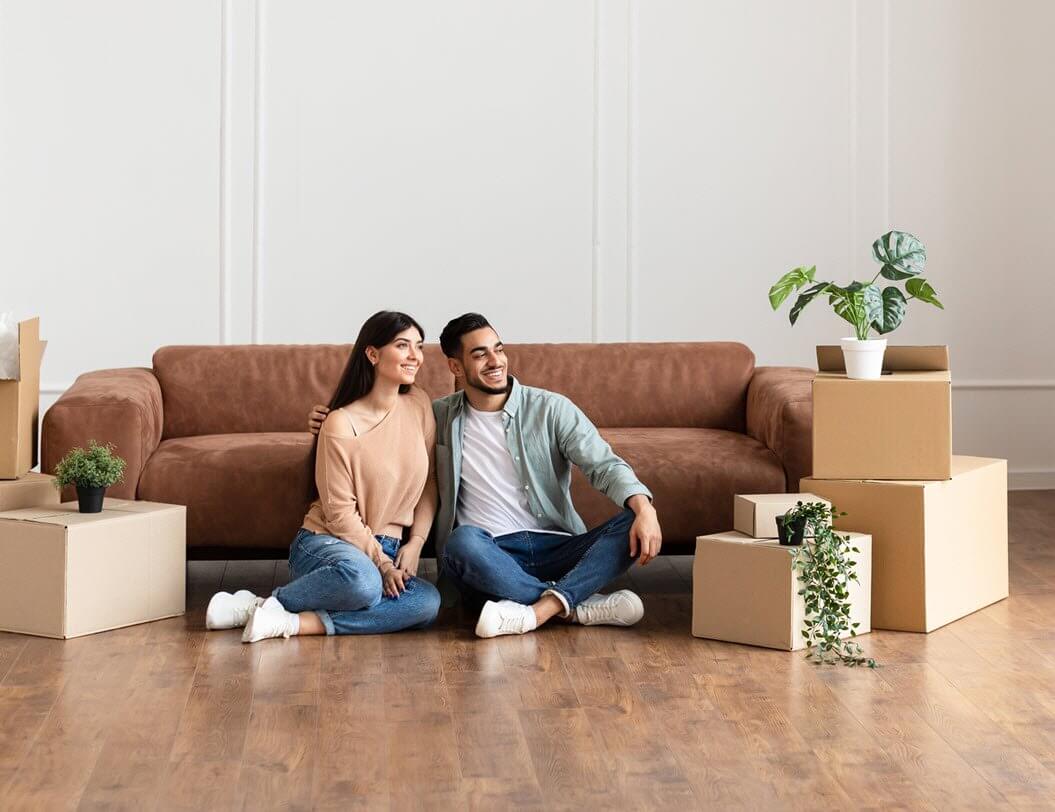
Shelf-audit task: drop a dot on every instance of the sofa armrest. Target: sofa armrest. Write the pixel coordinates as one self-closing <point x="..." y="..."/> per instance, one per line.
<point x="780" y="416"/>
<point x="119" y="406"/>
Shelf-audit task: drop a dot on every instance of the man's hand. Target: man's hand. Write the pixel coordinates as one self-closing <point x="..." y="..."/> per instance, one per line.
<point x="318" y="414"/>
<point x="392" y="581"/>
<point x="409" y="554"/>
<point x="646" y="537"/>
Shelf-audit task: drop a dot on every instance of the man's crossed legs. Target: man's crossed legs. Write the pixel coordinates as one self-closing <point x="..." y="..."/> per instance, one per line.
<point x="532" y="576"/>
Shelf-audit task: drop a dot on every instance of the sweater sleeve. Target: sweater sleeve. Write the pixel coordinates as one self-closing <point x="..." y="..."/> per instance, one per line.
<point x="337" y="492"/>
<point x="425" y="510"/>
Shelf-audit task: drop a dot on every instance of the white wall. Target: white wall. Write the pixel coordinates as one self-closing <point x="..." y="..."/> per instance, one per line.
<point x="237" y="171"/>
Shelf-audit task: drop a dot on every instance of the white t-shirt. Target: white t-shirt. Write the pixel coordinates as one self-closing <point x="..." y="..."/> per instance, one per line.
<point x="490" y="495"/>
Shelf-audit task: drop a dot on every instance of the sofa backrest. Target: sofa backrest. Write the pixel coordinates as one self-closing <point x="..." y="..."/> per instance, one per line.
<point x="644" y="384"/>
<point x="252" y="388"/>
<point x="259" y="387"/>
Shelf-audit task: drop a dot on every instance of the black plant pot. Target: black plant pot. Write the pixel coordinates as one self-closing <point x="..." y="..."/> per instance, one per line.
<point x="90" y="500"/>
<point x="792" y="534"/>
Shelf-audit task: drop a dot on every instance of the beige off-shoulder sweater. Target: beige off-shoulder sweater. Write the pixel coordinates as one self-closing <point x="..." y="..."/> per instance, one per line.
<point x="380" y="482"/>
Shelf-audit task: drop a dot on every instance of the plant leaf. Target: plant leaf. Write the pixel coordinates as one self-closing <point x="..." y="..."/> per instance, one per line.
<point x="847" y="304"/>
<point x="902" y="255"/>
<point x="893" y="310"/>
<point x="805" y="298"/>
<point x="791" y="281"/>
<point x="921" y="289"/>
<point x="872" y="299"/>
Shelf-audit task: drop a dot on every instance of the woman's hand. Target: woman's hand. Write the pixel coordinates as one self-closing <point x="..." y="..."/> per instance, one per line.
<point x="409" y="554"/>
<point x="393" y="581"/>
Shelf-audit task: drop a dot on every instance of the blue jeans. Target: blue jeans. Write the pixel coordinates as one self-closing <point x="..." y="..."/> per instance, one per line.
<point x="521" y="566"/>
<point x="342" y="586"/>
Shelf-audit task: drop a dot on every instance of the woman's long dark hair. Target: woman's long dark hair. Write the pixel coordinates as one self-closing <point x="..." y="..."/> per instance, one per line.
<point x="358" y="377"/>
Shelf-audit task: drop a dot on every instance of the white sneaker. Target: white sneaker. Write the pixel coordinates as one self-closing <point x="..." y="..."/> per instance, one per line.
<point x="227" y="611"/>
<point x="505" y="617"/>
<point x="622" y="608"/>
<point x="268" y="620"/>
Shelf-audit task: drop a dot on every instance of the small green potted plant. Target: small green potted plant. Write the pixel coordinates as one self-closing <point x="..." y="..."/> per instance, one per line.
<point x="825" y="570"/>
<point x="92" y="472"/>
<point x="862" y="304"/>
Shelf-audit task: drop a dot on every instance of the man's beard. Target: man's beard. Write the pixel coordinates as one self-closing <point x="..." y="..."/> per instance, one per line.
<point x="491" y="390"/>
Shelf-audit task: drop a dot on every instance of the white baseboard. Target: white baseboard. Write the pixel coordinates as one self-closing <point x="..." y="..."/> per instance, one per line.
<point x="1031" y="479"/>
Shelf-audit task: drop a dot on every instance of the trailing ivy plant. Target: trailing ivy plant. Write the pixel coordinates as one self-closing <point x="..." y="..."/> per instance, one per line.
<point x="98" y="467"/>
<point x="825" y="570"/>
<point x="862" y="304"/>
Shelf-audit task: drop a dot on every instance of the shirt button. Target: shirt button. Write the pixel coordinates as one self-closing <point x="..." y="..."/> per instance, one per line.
<point x="539" y="515"/>
<point x="525" y="487"/>
<point x="517" y="459"/>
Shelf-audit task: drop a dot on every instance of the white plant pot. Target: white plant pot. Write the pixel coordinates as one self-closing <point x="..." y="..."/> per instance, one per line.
<point x="864" y="359"/>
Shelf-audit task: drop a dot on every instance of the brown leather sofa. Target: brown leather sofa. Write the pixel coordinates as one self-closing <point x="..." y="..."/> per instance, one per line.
<point x="222" y="429"/>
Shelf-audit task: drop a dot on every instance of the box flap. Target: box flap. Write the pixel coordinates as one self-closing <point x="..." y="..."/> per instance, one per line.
<point x="895" y="359"/>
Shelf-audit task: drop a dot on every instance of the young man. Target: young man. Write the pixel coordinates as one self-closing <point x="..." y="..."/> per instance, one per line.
<point x="506" y="526"/>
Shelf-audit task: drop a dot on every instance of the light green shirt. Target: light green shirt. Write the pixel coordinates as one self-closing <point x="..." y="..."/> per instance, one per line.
<point x="545" y="433"/>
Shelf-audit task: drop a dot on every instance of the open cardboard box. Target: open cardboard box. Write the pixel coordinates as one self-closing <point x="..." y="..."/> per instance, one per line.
<point x="896" y="427"/>
<point x="20" y="405"/>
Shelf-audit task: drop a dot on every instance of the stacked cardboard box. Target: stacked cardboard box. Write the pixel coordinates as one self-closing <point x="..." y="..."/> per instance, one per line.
<point x="882" y="453"/>
<point x="20" y="404"/>
<point x="64" y="573"/>
<point x="745" y="589"/>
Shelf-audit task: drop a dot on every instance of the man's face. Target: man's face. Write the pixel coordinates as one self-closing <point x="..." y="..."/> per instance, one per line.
<point x="483" y="363"/>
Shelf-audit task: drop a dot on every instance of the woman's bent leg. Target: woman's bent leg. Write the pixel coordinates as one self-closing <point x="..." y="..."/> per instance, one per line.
<point x="328" y="574"/>
<point x="415" y="608"/>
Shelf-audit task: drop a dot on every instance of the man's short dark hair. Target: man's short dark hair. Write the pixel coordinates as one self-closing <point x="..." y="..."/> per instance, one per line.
<point x="451" y="337"/>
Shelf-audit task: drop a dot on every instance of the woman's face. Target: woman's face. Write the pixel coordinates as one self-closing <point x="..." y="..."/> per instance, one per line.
<point x="399" y="360"/>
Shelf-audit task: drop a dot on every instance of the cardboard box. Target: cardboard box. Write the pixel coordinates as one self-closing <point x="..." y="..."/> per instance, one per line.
<point x="32" y="490"/>
<point x="66" y="574"/>
<point x="20" y="405"/>
<point x="897" y="427"/>
<point x="745" y="591"/>
<point x="755" y="514"/>
<point x="939" y="549"/>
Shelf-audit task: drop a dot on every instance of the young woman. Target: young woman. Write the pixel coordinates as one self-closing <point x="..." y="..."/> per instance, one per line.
<point x="375" y="482"/>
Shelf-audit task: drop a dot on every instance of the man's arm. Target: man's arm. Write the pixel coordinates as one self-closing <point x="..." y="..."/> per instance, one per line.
<point x="581" y="443"/>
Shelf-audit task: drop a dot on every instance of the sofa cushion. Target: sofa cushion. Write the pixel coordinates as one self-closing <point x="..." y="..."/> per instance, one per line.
<point x="259" y="388"/>
<point x="241" y="490"/>
<point x="692" y="474"/>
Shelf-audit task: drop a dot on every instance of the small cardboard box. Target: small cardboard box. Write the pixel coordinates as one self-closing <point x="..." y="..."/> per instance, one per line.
<point x="897" y="427"/>
<point x="66" y="574"/>
<point x="746" y="591"/>
<point x="939" y="549"/>
<point x="20" y="405"/>
<point x="755" y="514"/>
<point x="32" y="490"/>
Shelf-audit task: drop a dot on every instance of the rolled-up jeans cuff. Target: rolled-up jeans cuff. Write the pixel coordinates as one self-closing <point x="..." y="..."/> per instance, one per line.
<point x="564" y="600"/>
<point x="327" y="621"/>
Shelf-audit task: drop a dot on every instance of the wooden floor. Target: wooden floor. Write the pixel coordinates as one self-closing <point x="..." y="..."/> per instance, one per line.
<point x="165" y="715"/>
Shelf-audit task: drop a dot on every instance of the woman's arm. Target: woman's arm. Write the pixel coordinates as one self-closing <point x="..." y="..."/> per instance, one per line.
<point x="337" y="494"/>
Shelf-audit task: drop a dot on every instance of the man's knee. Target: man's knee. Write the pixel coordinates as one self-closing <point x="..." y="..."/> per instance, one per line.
<point x="465" y="544"/>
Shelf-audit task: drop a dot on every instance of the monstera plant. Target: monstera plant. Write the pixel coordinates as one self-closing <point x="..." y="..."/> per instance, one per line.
<point x="865" y="305"/>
